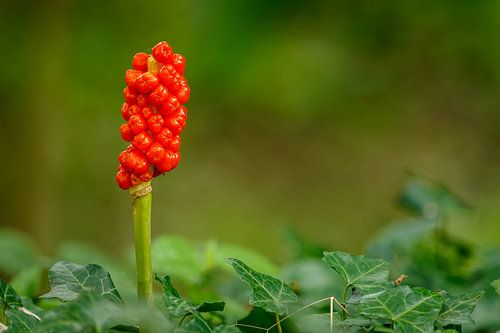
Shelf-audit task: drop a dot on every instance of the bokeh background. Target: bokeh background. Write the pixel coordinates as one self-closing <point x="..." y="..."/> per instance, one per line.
<point x="302" y="113"/>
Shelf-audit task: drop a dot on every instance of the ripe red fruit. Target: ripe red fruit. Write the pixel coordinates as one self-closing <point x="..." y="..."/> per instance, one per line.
<point x="129" y="96"/>
<point x="123" y="179"/>
<point x="170" y="106"/>
<point x="177" y="121"/>
<point x="147" y="112"/>
<point x="179" y="63"/>
<point x="146" y="176"/>
<point x="126" y="132"/>
<point x="175" y="143"/>
<point x="155" y="153"/>
<point x="158" y="96"/>
<point x="142" y="102"/>
<point x="131" y="78"/>
<point x="169" y="162"/>
<point x="136" y="162"/>
<point x="164" y="136"/>
<point x="155" y="123"/>
<point x="147" y="82"/>
<point x="162" y="52"/>
<point x="124" y="111"/>
<point x="167" y="75"/>
<point x="137" y="123"/>
<point x="140" y="61"/>
<point x="142" y="141"/>
<point x="183" y="94"/>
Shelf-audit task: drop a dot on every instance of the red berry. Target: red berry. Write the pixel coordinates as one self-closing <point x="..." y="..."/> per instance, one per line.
<point x="124" y="111"/>
<point x="175" y="143"/>
<point x="155" y="153"/>
<point x="123" y="179"/>
<point x="167" y="75"/>
<point x="164" y="137"/>
<point x="129" y="96"/>
<point x="170" y="106"/>
<point x="155" y="123"/>
<point x="137" y="123"/>
<point x="142" y="101"/>
<point x="169" y="162"/>
<point x="183" y="94"/>
<point x="146" y="176"/>
<point x="134" y="109"/>
<point x="162" y="52"/>
<point x="131" y="78"/>
<point x="147" y="82"/>
<point x="177" y="121"/>
<point x="135" y="179"/>
<point x="140" y="61"/>
<point x="158" y="96"/>
<point x="147" y="112"/>
<point x="126" y="132"/>
<point x="179" y="63"/>
<point x="136" y="162"/>
<point x="142" y="141"/>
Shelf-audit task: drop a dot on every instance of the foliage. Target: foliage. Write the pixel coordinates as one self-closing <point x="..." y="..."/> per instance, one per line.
<point x="451" y="286"/>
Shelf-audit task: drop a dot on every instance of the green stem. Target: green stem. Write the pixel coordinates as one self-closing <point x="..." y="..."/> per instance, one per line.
<point x="278" y="323"/>
<point x="142" y="234"/>
<point x="344" y="299"/>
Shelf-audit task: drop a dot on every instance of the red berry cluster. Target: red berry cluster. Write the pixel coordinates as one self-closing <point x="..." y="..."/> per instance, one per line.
<point x="154" y="115"/>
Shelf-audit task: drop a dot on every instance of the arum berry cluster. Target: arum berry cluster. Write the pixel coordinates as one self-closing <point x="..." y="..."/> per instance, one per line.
<point x="154" y="115"/>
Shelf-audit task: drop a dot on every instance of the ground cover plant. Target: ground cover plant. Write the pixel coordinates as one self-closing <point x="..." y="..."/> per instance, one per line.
<point x="415" y="276"/>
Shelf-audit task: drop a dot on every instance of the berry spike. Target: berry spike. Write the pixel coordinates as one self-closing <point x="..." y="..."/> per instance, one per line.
<point x="155" y="91"/>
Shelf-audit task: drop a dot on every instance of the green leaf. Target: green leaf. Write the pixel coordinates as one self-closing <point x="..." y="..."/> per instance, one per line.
<point x="211" y="306"/>
<point x="226" y="329"/>
<point x="408" y="310"/>
<point x="457" y="309"/>
<point x="176" y="257"/>
<point x="16" y="251"/>
<point x="21" y="322"/>
<point x="28" y="281"/>
<point x="179" y="307"/>
<point x="90" y="312"/>
<point x="268" y="292"/>
<point x="365" y="274"/>
<point x="68" y="280"/>
<point x="8" y="296"/>
<point x="496" y="284"/>
<point x="430" y="199"/>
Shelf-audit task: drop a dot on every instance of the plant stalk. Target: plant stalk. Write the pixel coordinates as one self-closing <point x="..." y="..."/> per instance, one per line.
<point x="278" y="323"/>
<point x="141" y="203"/>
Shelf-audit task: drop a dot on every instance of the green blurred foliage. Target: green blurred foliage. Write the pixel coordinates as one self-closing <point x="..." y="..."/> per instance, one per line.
<point x="301" y="112"/>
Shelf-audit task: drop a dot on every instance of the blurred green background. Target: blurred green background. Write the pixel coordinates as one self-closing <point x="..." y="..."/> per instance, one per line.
<point x="302" y="113"/>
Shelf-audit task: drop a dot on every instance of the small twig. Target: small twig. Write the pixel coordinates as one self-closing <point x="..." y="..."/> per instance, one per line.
<point x="400" y="279"/>
<point x="278" y="323"/>
<point x="331" y="314"/>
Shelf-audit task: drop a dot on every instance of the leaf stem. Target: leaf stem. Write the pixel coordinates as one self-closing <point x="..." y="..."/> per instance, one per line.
<point x="344" y="299"/>
<point x="141" y="203"/>
<point x="278" y="323"/>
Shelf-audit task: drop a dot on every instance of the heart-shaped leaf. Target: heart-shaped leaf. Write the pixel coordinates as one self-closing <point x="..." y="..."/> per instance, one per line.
<point x="367" y="275"/>
<point x="408" y="310"/>
<point x="457" y="310"/>
<point x="8" y="296"/>
<point x="68" y="280"/>
<point x="268" y="292"/>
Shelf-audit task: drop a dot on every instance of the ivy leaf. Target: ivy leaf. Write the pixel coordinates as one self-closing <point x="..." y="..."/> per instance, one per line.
<point x="268" y="292"/>
<point x="367" y="275"/>
<point x="211" y="306"/>
<point x="21" y="322"/>
<point x="178" y="307"/>
<point x="430" y="199"/>
<point x="409" y="310"/>
<point x="226" y="329"/>
<point x="496" y="284"/>
<point x="68" y="280"/>
<point x="8" y="296"/>
<point x="457" y="309"/>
